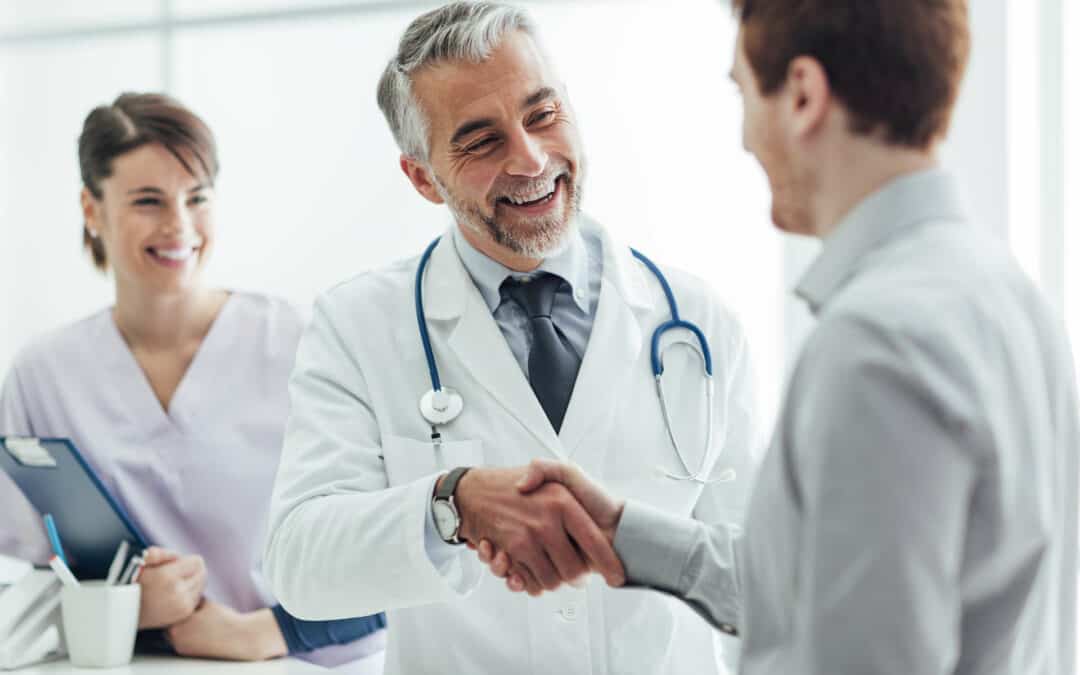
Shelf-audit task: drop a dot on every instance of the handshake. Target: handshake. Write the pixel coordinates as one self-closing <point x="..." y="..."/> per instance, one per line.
<point x="540" y="526"/>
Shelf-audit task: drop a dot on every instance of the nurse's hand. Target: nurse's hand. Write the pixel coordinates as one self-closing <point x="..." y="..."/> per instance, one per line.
<point x="216" y="631"/>
<point x="605" y="511"/>
<point x="172" y="586"/>
<point x="547" y="533"/>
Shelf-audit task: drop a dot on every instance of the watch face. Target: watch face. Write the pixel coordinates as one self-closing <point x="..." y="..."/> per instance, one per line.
<point x="446" y="519"/>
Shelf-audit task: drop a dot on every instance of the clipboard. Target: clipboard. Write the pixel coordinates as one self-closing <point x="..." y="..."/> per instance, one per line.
<point x="56" y="479"/>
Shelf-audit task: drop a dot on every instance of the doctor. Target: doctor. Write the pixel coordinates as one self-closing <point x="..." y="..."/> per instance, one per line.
<point x="539" y="325"/>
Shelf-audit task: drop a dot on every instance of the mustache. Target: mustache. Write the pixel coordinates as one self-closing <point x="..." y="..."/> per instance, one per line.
<point x="518" y="188"/>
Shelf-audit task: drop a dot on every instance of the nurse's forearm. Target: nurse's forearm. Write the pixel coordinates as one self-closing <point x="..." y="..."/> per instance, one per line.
<point x="264" y="635"/>
<point x="683" y="557"/>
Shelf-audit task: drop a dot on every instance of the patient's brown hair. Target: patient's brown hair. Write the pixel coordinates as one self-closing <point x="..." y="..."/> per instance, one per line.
<point x="896" y="65"/>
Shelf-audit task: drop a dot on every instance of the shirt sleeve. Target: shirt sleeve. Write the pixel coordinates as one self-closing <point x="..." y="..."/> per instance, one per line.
<point x="306" y="636"/>
<point x="884" y="480"/>
<point x="342" y="541"/>
<point x="684" y="558"/>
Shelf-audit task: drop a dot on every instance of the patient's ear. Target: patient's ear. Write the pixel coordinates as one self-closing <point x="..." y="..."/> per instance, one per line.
<point x="421" y="178"/>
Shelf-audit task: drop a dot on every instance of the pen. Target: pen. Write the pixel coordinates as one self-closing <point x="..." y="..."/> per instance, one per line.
<point x="62" y="571"/>
<point x="129" y="571"/>
<point x="54" y="538"/>
<point x="139" y="566"/>
<point x="117" y="563"/>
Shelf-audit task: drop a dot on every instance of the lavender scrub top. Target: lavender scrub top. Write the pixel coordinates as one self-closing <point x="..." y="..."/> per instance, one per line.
<point x="195" y="478"/>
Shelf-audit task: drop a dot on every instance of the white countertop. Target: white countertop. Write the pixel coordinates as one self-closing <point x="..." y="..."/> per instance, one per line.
<point x="171" y="665"/>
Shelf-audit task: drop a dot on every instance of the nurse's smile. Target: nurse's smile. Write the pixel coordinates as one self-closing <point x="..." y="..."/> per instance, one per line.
<point x="174" y="256"/>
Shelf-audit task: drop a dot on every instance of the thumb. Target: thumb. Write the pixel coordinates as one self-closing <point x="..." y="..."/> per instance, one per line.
<point x="155" y="555"/>
<point x="537" y="473"/>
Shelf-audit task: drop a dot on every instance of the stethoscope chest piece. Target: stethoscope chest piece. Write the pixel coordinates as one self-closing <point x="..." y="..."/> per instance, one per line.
<point x="441" y="407"/>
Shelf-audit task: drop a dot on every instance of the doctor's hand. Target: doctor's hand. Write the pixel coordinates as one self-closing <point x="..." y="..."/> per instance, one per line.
<point x="216" y="631"/>
<point x="172" y="586"/>
<point x="546" y="532"/>
<point x="601" y="507"/>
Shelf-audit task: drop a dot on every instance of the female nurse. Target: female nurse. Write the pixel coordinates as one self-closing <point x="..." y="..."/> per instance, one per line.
<point x="176" y="395"/>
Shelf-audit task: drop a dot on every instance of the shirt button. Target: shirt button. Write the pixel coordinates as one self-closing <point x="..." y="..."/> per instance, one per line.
<point x="569" y="613"/>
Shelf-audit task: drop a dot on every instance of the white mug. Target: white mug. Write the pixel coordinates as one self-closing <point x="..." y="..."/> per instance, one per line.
<point x="100" y="623"/>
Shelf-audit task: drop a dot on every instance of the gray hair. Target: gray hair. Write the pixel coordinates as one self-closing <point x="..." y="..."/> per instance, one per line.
<point x="459" y="31"/>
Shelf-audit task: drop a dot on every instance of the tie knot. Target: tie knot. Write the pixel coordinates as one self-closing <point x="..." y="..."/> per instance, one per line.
<point x="536" y="296"/>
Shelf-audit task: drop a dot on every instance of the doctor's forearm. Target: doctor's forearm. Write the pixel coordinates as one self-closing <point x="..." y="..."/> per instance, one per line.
<point x="348" y="555"/>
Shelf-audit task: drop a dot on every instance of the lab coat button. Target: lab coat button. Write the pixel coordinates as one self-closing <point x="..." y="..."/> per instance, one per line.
<point x="728" y="628"/>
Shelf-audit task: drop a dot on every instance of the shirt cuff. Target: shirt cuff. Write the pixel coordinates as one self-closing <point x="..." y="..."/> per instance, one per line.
<point x="440" y="553"/>
<point x="654" y="547"/>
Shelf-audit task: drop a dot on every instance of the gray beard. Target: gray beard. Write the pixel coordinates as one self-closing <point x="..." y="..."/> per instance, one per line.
<point x="548" y="239"/>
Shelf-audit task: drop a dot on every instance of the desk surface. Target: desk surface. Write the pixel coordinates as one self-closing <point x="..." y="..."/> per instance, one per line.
<point x="165" y="665"/>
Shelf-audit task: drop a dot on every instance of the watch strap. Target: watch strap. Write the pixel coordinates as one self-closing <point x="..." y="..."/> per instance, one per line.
<point x="448" y="486"/>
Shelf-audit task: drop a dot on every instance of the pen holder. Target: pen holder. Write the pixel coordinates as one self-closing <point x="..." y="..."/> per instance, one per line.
<point x="100" y="623"/>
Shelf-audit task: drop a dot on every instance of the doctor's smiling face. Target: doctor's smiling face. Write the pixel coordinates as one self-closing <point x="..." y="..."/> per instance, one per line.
<point x="154" y="218"/>
<point x="505" y="154"/>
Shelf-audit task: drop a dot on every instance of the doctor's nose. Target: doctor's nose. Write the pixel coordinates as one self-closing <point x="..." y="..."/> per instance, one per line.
<point x="526" y="158"/>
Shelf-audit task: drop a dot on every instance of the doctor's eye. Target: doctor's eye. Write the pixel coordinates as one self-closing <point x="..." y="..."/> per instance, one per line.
<point x="543" y="116"/>
<point x="147" y="201"/>
<point x="483" y="144"/>
<point x="199" y="199"/>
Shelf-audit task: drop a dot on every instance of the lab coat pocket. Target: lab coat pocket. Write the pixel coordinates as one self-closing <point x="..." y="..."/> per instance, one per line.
<point x="408" y="459"/>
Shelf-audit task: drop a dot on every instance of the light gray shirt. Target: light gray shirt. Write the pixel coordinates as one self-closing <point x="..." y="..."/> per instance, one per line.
<point x="917" y="511"/>
<point x="580" y="265"/>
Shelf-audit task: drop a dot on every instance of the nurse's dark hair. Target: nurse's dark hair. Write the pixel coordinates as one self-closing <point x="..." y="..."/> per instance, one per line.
<point x="896" y="65"/>
<point x="132" y="121"/>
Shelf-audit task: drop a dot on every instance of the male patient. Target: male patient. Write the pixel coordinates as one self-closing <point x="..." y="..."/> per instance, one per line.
<point x="917" y="511"/>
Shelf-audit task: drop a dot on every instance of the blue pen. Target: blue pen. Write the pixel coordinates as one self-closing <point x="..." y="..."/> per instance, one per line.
<point x="54" y="537"/>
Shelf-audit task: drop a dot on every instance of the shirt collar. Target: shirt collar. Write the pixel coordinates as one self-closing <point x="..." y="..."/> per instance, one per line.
<point x="571" y="265"/>
<point x="925" y="196"/>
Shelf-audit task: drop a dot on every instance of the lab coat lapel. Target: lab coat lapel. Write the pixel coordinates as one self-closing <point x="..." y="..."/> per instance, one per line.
<point x="615" y="345"/>
<point x="479" y="344"/>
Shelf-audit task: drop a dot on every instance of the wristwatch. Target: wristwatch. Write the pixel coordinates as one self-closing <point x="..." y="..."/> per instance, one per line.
<point x="444" y="510"/>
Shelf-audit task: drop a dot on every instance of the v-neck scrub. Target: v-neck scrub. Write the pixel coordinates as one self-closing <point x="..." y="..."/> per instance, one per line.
<point x="195" y="478"/>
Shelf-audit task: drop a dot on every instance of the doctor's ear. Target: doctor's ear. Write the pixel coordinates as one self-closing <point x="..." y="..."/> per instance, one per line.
<point x="421" y="178"/>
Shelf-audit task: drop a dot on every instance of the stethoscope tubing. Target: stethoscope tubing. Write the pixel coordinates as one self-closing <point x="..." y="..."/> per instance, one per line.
<point x="674" y="323"/>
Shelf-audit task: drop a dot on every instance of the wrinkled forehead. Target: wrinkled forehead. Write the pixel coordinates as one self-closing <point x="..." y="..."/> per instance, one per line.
<point x="452" y="92"/>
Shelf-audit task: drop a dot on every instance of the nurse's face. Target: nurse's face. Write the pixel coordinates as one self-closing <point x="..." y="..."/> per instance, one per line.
<point x="155" y="220"/>
<point x="505" y="154"/>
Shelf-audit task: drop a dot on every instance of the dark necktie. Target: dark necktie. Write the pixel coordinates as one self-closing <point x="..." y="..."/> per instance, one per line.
<point x="553" y="363"/>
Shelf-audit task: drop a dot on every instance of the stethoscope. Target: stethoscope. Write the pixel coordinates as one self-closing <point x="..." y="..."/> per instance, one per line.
<point x="441" y="405"/>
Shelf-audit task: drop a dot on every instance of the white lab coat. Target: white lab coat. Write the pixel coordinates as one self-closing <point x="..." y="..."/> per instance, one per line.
<point x="357" y="472"/>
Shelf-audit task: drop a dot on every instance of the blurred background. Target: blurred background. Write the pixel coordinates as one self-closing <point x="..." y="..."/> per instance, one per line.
<point x="310" y="192"/>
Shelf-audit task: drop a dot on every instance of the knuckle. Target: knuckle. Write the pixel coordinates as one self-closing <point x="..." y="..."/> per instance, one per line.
<point x="176" y="588"/>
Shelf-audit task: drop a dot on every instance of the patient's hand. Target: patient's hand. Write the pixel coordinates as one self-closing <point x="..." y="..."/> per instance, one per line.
<point x="215" y="631"/>
<point x="604" y="510"/>
<point x="172" y="586"/>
